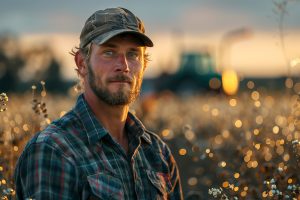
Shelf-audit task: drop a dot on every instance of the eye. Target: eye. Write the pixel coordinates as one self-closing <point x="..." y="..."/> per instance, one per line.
<point x="109" y="53"/>
<point x="133" y="55"/>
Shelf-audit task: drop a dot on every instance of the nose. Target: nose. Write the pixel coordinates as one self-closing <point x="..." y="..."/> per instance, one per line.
<point x="122" y="63"/>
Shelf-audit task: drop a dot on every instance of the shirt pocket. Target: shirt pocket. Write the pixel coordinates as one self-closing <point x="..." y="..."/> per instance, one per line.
<point x="106" y="186"/>
<point x="161" y="181"/>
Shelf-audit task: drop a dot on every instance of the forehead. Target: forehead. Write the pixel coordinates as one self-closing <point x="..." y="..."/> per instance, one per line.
<point x="125" y="38"/>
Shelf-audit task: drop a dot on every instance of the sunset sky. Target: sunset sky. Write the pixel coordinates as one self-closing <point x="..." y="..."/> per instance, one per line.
<point x="175" y="26"/>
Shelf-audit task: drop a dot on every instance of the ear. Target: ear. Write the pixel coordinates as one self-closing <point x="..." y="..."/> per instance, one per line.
<point x="80" y="63"/>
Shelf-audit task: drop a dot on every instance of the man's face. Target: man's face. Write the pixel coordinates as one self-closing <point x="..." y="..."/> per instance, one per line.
<point x="115" y="70"/>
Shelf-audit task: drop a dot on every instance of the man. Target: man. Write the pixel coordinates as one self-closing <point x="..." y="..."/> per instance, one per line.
<point x="99" y="150"/>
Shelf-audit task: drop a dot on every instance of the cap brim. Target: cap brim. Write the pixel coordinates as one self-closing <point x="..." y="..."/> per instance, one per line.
<point x="101" y="39"/>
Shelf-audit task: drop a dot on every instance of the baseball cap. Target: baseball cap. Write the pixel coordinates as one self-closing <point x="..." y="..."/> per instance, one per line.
<point x="102" y="25"/>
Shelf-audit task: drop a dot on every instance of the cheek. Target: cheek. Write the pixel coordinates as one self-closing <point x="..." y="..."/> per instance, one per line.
<point x="95" y="76"/>
<point x="99" y="70"/>
<point x="137" y="67"/>
<point x="138" y="73"/>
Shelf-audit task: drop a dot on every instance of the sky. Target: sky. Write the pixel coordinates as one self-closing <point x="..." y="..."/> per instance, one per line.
<point x="240" y="34"/>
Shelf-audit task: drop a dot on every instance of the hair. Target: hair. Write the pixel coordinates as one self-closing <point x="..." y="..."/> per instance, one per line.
<point x="85" y="52"/>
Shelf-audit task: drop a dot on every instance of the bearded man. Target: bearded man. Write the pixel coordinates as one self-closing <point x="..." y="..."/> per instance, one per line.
<point x="99" y="150"/>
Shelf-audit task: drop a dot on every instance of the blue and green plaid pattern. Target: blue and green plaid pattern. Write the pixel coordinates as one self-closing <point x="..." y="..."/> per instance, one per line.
<point x="76" y="158"/>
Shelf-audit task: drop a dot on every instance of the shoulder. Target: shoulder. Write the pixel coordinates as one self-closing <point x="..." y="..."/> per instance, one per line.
<point x="157" y="143"/>
<point x="154" y="137"/>
<point x="55" y="138"/>
<point x="56" y="133"/>
<point x="159" y="154"/>
<point x="47" y="157"/>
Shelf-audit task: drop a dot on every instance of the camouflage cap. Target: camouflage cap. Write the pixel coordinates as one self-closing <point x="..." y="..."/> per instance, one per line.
<point x="105" y="24"/>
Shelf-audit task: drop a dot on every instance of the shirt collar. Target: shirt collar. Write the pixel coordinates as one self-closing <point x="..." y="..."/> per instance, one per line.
<point x="133" y="122"/>
<point x="95" y="131"/>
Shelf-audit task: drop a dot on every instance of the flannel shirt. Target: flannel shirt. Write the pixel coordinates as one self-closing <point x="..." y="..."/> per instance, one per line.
<point x="76" y="158"/>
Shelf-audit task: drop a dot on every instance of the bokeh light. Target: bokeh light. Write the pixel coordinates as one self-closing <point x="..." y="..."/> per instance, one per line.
<point x="230" y="82"/>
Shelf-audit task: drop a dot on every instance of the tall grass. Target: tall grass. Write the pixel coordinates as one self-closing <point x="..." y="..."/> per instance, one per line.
<point x="243" y="147"/>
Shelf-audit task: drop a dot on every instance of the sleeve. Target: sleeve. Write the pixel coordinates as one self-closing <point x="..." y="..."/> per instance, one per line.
<point x="176" y="192"/>
<point x="43" y="172"/>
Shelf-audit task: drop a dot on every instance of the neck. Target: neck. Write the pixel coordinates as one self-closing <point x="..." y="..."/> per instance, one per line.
<point x="112" y="118"/>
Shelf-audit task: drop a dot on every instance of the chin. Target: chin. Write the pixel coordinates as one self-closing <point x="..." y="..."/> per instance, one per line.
<point x="121" y="88"/>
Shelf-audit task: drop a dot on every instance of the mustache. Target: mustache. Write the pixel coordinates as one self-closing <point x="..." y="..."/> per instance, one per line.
<point x="121" y="78"/>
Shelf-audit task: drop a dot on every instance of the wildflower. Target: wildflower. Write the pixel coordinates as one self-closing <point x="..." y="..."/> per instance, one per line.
<point x="8" y="191"/>
<point x="224" y="197"/>
<point x="215" y="192"/>
<point x="272" y="180"/>
<point x="39" y="106"/>
<point x="3" y="100"/>
<point x="295" y="142"/>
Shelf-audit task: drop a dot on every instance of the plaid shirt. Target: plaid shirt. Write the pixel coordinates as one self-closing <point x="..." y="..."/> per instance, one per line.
<point x="76" y="158"/>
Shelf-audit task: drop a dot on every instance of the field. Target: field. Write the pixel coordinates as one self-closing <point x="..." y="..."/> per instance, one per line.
<point x="227" y="147"/>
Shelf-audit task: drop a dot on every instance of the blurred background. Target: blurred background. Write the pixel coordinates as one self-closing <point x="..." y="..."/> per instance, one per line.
<point x="221" y="88"/>
<point x="255" y="39"/>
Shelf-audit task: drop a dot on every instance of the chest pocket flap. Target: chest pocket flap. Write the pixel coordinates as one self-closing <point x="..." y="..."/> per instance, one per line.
<point x="106" y="186"/>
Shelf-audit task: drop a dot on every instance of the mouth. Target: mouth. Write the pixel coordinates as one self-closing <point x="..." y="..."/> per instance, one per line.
<point x="121" y="80"/>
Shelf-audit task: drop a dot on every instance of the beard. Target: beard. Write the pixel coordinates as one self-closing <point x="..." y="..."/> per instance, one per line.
<point x="120" y="97"/>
